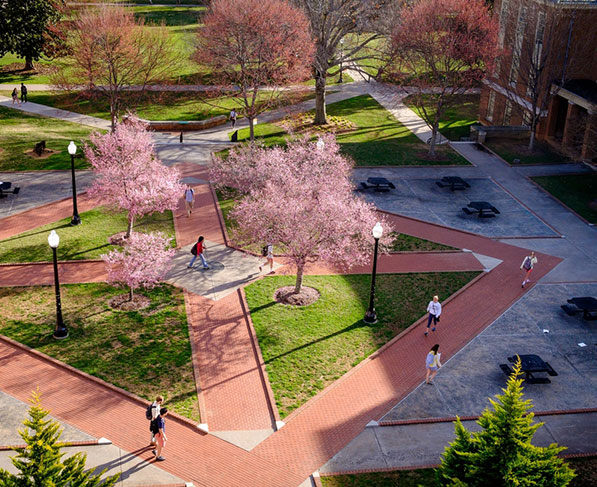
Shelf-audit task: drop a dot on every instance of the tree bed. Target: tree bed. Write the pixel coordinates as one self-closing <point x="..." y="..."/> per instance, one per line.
<point x="307" y="348"/>
<point x="86" y="241"/>
<point x="146" y="352"/>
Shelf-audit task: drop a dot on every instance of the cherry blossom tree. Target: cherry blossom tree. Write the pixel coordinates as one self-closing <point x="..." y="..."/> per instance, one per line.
<point x="112" y="50"/>
<point x="129" y="176"/>
<point x="255" y="44"/>
<point x="300" y="198"/>
<point x="447" y="45"/>
<point x="142" y="262"/>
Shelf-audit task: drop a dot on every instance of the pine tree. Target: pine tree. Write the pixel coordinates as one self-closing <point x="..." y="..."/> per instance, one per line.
<point x="40" y="462"/>
<point x="502" y="453"/>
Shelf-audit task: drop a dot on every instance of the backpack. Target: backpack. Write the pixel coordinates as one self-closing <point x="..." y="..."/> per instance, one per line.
<point x="148" y="411"/>
<point x="264" y="251"/>
<point x="527" y="264"/>
<point x="194" y="249"/>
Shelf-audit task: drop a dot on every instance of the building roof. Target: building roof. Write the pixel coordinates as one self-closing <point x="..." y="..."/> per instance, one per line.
<point x="584" y="88"/>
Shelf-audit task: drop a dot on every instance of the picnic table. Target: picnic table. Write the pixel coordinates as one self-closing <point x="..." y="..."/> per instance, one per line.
<point x="483" y="208"/>
<point x="378" y="184"/>
<point x="531" y="364"/>
<point x="453" y="182"/>
<point x="586" y="304"/>
<point x="5" y="188"/>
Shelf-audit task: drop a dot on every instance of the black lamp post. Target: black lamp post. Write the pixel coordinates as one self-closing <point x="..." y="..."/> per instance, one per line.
<point x="61" y="331"/>
<point x="341" y="58"/>
<point x="370" y="315"/>
<point x="72" y="150"/>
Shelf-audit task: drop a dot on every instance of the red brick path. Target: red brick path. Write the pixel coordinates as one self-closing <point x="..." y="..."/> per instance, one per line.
<point x="42" y="273"/>
<point x="232" y="383"/>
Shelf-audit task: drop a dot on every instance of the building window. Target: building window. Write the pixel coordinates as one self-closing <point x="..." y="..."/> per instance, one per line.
<point x="527" y="118"/>
<point x="490" y="106"/>
<point x="508" y="112"/>
<point x="516" y="51"/>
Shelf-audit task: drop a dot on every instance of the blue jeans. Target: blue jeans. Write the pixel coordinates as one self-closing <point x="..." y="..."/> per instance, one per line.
<point x="203" y="261"/>
<point x="431" y="318"/>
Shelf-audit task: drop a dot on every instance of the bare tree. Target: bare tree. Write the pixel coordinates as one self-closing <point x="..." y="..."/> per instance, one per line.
<point x="355" y="23"/>
<point x="540" y="59"/>
<point x="111" y="51"/>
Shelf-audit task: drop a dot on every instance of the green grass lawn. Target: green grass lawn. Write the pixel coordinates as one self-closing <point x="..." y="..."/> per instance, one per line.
<point x="510" y="149"/>
<point x="146" y="352"/>
<point x="86" y="241"/>
<point x="307" y="348"/>
<point x="457" y="119"/>
<point x="379" y="139"/>
<point x="585" y="468"/>
<point x="578" y="192"/>
<point x="20" y="132"/>
<point x="11" y="71"/>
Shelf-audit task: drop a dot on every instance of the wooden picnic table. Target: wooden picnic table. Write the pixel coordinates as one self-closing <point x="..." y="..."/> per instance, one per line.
<point x="378" y="184"/>
<point x="453" y="182"/>
<point x="483" y="208"/>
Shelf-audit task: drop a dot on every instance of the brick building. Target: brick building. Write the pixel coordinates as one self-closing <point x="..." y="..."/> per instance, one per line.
<point x="549" y="68"/>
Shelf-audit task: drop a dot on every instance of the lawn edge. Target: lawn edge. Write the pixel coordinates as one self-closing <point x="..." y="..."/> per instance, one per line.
<point x="380" y="350"/>
<point x="96" y="380"/>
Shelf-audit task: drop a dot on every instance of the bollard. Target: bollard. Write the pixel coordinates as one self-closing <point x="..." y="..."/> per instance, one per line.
<point x="181" y="136"/>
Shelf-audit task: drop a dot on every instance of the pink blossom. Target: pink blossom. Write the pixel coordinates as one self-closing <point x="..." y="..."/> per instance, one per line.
<point x="142" y="262"/>
<point x="128" y="174"/>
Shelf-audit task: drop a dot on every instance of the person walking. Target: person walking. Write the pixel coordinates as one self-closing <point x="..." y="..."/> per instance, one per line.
<point x="15" y="97"/>
<point x="23" y="93"/>
<point x="528" y="263"/>
<point x="233" y="117"/>
<point x="268" y="253"/>
<point x="159" y="429"/>
<point x="155" y="412"/>
<point x="432" y="364"/>
<point x="435" y="309"/>
<point x="189" y="200"/>
<point x="197" y="251"/>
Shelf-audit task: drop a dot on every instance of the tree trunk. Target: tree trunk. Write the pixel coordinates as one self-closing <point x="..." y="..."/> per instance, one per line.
<point x="130" y="293"/>
<point x="130" y="228"/>
<point x="112" y="114"/>
<point x="251" y="129"/>
<point x="532" y="138"/>
<point x="320" y="115"/>
<point x="299" y="278"/>
<point x="432" y="144"/>
<point x="28" y="63"/>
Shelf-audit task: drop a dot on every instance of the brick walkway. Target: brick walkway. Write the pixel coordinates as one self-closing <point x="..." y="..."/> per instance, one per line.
<point x="234" y="393"/>
<point x="42" y="274"/>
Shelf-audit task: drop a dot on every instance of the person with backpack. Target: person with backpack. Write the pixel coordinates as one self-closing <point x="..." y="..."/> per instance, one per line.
<point x="527" y="265"/>
<point x="158" y="428"/>
<point x="189" y="199"/>
<point x="15" y="97"/>
<point x="152" y="412"/>
<point x="268" y="252"/>
<point x="197" y="251"/>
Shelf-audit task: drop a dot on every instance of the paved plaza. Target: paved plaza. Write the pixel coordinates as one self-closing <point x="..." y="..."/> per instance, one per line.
<point x="358" y="422"/>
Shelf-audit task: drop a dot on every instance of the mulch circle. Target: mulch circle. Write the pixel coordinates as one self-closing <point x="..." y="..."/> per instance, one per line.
<point x="286" y="295"/>
<point x="118" y="239"/>
<point x="122" y="302"/>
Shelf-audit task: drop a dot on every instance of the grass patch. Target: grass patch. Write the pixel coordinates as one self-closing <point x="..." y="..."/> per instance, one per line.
<point x="12" y="71"/>
<point x="20" y="132"/>
<point x="306" y="349"/>
<point x="408" y="243"/>
<point x="146" y="352"/>
<point x="86" y="241"/>
<point x="578" y="192"/>
<point x="457" y="119"/>
<point x="400" y="478"/>
<point x="510" y="149"/>
<point x="379" y="139"/>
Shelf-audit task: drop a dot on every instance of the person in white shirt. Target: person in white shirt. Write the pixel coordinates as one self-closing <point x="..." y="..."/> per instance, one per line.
<point x="189" y="200"/>
<point x="435" y="309"/>
<point x="432" y="363"/>
<point x="233" y="117"/>
<point x="155" y="412"/>
<point x="269" y="256"/>
<point x="527" y="265"/>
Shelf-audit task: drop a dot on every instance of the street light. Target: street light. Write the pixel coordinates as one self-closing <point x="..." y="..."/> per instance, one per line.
<point x="72" y="150"/>
<point x="370" y="316"/>
<point x="61" y="330"/>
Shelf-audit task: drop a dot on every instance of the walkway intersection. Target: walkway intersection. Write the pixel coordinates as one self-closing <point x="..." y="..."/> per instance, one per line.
<point x="247" y="445"/>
